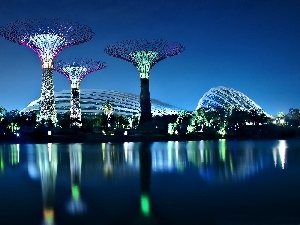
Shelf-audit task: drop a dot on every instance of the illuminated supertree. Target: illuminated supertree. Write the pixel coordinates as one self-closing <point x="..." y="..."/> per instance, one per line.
<point x="75" y="70"/>
<point x="144" y="54"/>
<point x="47" y="38"/>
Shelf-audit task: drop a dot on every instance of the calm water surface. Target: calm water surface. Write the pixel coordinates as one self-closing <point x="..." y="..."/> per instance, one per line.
<point x="203" y="182"/>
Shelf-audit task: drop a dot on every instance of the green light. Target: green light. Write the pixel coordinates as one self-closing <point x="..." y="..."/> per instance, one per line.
<point x="14" y="155"/>
<point x="145" y="60"/>
<point x="190" y="129"/>
<point x="1" y="161"/>
<point x="222" y="131"/>
<point x="222" y="149"/>
<point x="206" y="155"/>
<point x="231" y="164"/>
<point x="49" y="216"/>
<point x="75" y="192"/>
<point x="145" y="205"/>
<point x="13" y="127"/>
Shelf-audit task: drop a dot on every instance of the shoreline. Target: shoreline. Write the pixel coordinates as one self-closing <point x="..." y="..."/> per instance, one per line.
<point x="99" y="138"/>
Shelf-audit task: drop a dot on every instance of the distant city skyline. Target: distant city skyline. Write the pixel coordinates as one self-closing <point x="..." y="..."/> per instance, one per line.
<point x="250" y="45"/>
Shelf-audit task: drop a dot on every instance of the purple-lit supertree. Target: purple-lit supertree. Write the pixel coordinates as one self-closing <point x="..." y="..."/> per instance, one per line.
<point x="144" y="54"/>
<point x="47" y="38"/>
<point x="75" y="70"/>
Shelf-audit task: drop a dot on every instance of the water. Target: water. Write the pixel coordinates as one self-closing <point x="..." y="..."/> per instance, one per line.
<point x="203" y="182"/>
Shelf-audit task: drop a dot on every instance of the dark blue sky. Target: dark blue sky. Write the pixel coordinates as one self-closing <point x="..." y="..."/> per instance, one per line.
<point x="252" y="46"/>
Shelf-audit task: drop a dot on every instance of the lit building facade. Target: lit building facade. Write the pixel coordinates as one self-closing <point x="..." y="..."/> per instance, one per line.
<point x="92" y="101"/>
<point x="227" y="98"/>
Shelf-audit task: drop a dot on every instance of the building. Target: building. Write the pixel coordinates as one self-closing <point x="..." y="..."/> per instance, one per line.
<point x="226" y="98"/>
<point x="92" y="100"/>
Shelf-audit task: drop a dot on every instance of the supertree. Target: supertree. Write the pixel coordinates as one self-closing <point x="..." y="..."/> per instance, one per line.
<point x="144" y="54"/>
<point x="75" y="70"/>
<point x="47" y="38"/>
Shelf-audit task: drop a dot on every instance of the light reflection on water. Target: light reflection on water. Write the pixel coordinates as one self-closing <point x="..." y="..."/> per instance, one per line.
<point x="93" y="181"/>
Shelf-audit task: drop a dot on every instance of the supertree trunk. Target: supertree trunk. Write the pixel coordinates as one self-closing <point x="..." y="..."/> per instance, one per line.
<point x="145" y="102"/>
<point x="75" y="110"/>
<point x="47" y="105"/>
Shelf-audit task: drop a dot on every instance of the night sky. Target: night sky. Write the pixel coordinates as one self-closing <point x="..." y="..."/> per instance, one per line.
<point x="252" y="46"/>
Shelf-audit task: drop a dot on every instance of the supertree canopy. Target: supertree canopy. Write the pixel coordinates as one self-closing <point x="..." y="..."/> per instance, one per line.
<point x="75" y="70"/>
<point x="46" y="37"/>
<point x="144" y="54"/>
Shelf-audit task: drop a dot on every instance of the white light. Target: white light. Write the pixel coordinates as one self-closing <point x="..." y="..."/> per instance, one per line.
<point x="49" y="132"/>
<point x="48" y="45"/>
<point x="282" y="146"/>
<point x="49" y="145"/>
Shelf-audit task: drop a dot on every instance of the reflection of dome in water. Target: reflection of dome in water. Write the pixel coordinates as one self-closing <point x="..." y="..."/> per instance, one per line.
<point x="33" y="171"/>
<point x="226" y="98"/>
<point x="227" y="161"/>
<point x="76" y="207"/>
<point x="225" y="174"/>
<point x="219" y="171"/>
<point x="92" y="100"/>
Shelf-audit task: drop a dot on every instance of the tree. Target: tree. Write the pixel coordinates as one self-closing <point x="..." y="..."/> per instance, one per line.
<point x="293" y="117"/>
<point x="64" y="120"/>
<point x="237" y="119"/>
<point x="280" y="118"/>
<point x="121" y="121"/>
<point x="199" y="120"/>
<point x="2" y="116"/>
<point x="2" y="111"/>
<point x="108" y="110"/>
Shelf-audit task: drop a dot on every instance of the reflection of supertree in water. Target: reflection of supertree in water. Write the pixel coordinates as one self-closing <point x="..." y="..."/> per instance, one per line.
<point x="145" y="177"/>
<point x="146" y="215"/>
<point x="47" y="38"/>
<point x="144" y="54"/>
<point x="47" y="163"/>
<point x="76" y="205"/>
<point x="14" y="156"/>
<point x="1" y="160"/>
<point x="75" y="70"/>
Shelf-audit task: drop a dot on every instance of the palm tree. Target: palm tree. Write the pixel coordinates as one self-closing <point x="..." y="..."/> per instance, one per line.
<point x="3" y="111"/>
<point x="108" y="110"/>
